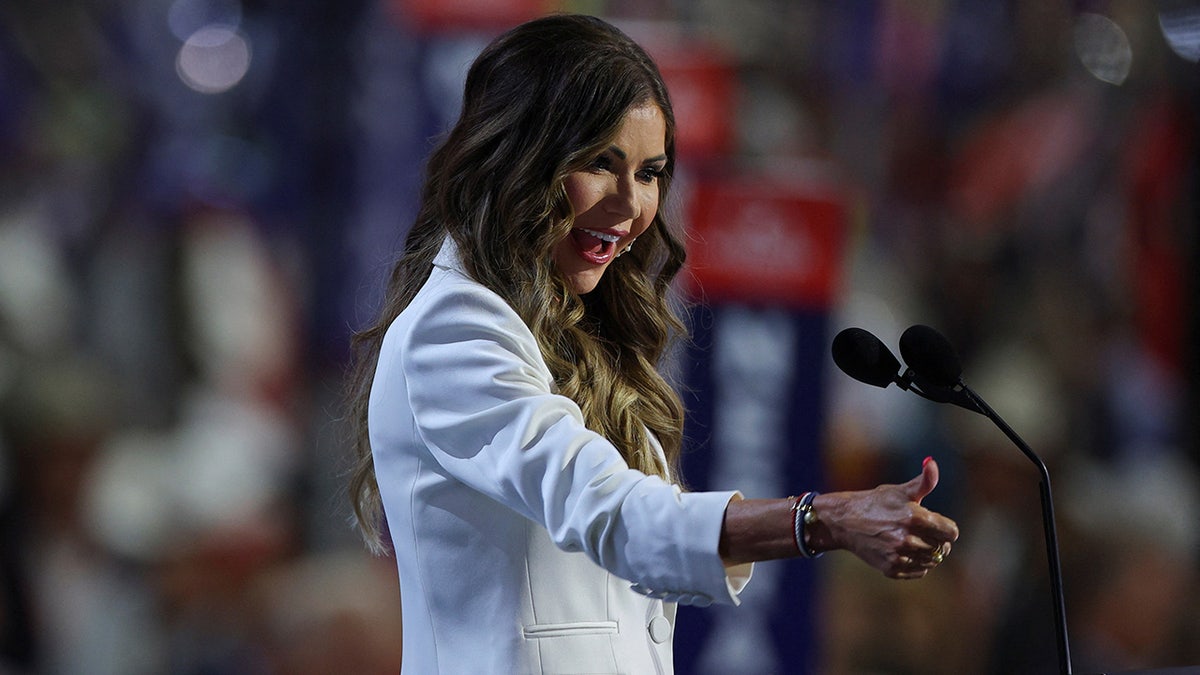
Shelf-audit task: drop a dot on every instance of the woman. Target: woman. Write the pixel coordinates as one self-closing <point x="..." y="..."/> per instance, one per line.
<point x="511" y="421"/>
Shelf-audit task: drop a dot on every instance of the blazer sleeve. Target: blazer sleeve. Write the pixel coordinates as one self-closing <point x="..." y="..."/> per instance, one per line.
<point x="484" y="406"/>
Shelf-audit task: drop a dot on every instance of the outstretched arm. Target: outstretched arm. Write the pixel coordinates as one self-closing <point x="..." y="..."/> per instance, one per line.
<point x="886" y="527"/>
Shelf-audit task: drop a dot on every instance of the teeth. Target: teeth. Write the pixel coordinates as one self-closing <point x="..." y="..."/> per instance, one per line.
<point x="611" y="238"/>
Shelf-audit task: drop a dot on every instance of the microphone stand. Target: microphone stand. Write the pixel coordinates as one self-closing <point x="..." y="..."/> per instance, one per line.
<point x="962" y="395"/>
<point x="1056" y="583"/>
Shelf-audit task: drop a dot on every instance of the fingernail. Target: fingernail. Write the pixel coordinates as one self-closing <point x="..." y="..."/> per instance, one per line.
<point x="926" y="461"/>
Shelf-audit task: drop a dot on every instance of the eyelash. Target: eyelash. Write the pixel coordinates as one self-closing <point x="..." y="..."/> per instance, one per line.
<point x="651" y="175"/>
<point x="602" y="163"/>
<point x="647" y="175"/>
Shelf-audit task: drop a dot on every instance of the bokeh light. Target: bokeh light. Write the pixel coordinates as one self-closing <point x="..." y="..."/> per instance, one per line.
<point x="1103" y="48"/>
<point x="213" y="59"/>
<point x="1180" y="23"/>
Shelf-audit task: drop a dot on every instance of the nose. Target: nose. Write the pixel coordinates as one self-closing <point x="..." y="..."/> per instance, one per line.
<point x="623" y="199"/>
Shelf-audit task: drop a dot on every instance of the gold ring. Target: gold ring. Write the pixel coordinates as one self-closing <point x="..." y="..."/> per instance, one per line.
<point x="938" y="556"/>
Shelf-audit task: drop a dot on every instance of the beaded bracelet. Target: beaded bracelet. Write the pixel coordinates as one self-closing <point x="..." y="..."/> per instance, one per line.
<point x="802" y="516"/>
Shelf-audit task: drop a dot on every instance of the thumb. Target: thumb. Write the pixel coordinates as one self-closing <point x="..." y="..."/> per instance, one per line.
<point x="918" y="488"/>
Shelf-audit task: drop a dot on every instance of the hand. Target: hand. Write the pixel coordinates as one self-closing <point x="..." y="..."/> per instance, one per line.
<point x="887" y="527"/>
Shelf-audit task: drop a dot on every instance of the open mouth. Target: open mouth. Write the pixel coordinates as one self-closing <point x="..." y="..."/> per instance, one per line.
<point x="595" y="247"/>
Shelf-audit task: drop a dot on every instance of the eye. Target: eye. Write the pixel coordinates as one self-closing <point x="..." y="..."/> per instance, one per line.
<point x="601" y="163"/>
<point x="649" y="175"/>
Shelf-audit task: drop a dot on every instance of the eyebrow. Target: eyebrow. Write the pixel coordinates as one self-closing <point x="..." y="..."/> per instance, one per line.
<point x="622" y="156"/>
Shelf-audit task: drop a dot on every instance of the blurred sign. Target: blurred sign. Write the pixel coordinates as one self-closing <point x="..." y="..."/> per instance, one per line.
<point x="440" y="15"/>
<point x="701" y="83"/>
<point x="764" y="242"/>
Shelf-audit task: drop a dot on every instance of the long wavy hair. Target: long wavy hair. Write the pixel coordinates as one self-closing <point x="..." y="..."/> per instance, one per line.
<point x="541" y="101"/>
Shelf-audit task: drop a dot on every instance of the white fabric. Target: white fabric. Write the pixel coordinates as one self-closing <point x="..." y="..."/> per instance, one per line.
<point x="524" y="542"/>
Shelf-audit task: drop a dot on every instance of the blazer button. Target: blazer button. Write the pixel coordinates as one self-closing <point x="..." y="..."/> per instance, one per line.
<point x="660" y="629"/>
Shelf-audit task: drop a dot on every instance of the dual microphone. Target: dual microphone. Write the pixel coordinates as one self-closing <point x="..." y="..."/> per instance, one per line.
<point x="934" y="372"/>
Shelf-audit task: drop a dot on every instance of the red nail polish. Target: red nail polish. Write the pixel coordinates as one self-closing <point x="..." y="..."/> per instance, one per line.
<point x="926" y="461"/>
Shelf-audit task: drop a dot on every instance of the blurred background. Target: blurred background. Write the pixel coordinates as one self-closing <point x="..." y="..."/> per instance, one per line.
<point x="199" y="200"/>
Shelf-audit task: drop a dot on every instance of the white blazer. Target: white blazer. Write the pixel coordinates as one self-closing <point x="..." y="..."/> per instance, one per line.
<point x="524" y="542"/>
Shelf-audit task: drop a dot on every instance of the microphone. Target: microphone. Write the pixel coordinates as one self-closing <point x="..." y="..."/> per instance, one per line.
<point x="935" y="367"/>
<point x="929" y="353"/>
<point x="861" y="355"/>
<point x="864" y="357"/>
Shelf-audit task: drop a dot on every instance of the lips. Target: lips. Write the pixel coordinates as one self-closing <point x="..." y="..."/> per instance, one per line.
<point x="595" y="247"/>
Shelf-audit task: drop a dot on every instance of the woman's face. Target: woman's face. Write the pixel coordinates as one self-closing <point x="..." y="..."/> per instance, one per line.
<point x="615" y="198"/>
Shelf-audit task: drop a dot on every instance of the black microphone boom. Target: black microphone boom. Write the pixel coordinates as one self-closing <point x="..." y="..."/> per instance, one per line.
<point x="933" y="361"/>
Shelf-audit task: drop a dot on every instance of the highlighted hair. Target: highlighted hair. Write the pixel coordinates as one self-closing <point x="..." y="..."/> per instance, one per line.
<point x="541" y="101"/>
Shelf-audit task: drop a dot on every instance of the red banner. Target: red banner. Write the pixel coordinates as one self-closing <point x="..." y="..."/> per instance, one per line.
<point x="764" y="243"/>
<point x="701" y="83"/>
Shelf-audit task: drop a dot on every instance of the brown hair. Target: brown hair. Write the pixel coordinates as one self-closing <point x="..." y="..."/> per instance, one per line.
<point x="541" y="101"/>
